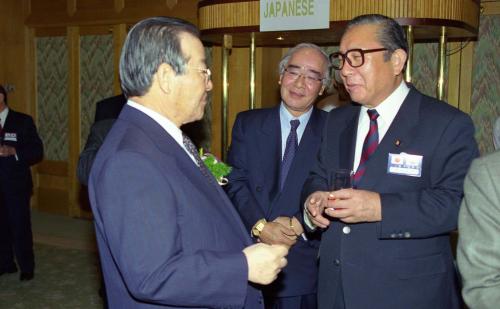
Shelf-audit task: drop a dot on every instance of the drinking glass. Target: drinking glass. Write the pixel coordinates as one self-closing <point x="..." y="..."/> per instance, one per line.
<point x="341" y="179"/>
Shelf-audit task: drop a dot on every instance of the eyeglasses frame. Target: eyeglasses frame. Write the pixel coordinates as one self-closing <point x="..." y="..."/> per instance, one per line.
<point x="344" y="56"/>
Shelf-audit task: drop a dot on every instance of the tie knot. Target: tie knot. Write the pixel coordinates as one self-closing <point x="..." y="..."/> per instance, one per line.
<point x="373" y="114"/>
<point x="294" y="124"/>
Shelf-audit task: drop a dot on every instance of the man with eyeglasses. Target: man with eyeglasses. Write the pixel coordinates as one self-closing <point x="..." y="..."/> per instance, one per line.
<point x="385" y="242"/>
<point x="271" y="152"/>
<point x="168" y="236"/>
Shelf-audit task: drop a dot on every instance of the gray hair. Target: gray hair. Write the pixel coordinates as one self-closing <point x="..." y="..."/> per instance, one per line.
<point x="150" y="43"/>
<point x="327" y="75"/>
<point x="390" y="34"/>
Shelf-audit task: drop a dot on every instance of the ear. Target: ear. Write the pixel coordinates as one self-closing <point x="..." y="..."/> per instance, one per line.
<point x="165" y="77"/>
<point x="321" y="90"/>
<point x="398" y="59"/>
<point x="279" y="81"/>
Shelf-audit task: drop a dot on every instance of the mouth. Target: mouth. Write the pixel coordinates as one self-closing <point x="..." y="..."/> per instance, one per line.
<point x="296" y="94"/>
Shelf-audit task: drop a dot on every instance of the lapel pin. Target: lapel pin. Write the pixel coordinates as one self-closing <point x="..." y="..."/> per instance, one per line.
<point x="397" y="143"/>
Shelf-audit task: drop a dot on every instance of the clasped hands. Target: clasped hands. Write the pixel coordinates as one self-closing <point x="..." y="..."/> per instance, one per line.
<point x="346" y="205"/>
<point x="268" y="257"/>
<point x="281" y="231"/>
<point x="6" y="151"/>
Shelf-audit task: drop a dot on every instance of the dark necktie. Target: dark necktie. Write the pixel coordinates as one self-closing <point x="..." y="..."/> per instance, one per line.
<point x="291" y="147"/>
<point x="369" y="146"/>
<point x="192" y="150"/>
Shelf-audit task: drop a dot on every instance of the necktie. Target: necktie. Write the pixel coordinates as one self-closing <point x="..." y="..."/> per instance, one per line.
<point x="369" y="146"/>
<point x="192" y="150"/>
<point x="291" y="147"/>
<point x="1" y="132"/>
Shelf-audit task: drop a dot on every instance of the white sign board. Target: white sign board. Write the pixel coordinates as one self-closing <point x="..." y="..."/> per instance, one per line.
<point x="279" y="15"/>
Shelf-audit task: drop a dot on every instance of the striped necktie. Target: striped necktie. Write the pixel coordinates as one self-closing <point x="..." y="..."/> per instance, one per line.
<point x="369" y="146"/>
<point x="291" y="147"/>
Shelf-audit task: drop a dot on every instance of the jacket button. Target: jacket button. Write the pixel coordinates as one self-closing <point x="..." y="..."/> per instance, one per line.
<point x="346" y="229"/>
<point x="337" y="262"/>
<point x="258" y="188"/>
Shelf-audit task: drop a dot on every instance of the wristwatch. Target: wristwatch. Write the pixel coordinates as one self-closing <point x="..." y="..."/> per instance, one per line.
<point x="258" y="227"/>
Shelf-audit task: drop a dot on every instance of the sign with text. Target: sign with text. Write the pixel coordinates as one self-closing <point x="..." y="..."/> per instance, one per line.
<point x="278" y="15"/>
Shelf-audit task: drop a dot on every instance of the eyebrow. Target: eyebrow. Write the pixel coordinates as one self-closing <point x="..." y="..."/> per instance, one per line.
<point x="307" y="70"/>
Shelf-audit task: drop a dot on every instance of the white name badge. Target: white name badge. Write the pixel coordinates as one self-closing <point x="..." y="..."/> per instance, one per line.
<point x="405" y="164"/>
<point x="10" y="137"/>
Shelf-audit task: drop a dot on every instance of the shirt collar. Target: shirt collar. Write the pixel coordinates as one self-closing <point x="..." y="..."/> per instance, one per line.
<point x="388" y="109"/>
<point x="285" y="116"/>
<point x="163" y="121"/>
<point x="3" y="115"/>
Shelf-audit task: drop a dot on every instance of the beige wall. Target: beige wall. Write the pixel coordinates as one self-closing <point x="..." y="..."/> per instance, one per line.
<point x="57" y="189"/>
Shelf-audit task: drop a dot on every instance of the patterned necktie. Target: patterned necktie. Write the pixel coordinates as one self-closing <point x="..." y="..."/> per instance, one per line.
<point x="369" y="146"/>
<point x="192" y="150"/>
<point x="291" y="147"/>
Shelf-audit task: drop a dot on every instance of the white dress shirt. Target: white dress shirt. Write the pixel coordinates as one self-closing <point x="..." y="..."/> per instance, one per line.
<point x="387" y="111"/>
<point x="165" y="123"/>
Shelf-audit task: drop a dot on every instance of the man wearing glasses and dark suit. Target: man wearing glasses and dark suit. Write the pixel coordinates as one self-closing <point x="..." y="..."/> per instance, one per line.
<point x="385" y="242"/>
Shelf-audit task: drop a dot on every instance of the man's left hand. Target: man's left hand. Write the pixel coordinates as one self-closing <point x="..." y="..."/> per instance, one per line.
<point x="6" y="151"/>
<point x="292" y="223"/>
<point x="353" y="206"/>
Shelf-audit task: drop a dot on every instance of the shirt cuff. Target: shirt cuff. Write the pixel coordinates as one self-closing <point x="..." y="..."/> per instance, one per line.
<point x="307" y="221"/>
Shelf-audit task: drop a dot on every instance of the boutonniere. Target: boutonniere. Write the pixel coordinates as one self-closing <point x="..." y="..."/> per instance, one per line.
<point x="218" y="168"/>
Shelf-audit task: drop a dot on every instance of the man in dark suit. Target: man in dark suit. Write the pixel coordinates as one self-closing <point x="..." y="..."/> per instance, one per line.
<point x="385" y="242"/>
<point x="20" y="147"/>
<point x="167" y="234"/>
<point x="266" y="181"/>
<point x="106" y="112"/>
<point x="109" y="108"/>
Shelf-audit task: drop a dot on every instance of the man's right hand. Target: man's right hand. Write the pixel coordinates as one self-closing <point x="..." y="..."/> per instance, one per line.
<point x="315" y="207"/>
<point x="277" y="234"/>
<point x="265" y="262"/>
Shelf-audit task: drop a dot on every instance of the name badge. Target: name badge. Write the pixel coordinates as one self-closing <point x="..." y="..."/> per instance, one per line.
<point x="10" y="137"/>
<point x="405" y="164"/>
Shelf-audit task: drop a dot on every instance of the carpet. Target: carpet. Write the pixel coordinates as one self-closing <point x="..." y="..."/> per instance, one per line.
<point x="64" y="278"/>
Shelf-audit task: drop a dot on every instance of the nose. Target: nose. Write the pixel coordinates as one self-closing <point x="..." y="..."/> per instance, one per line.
<point x="300" y="80"/>
<point x="347" y="69"/>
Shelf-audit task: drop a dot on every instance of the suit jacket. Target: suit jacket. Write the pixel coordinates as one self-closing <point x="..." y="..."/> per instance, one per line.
<point x="96" y="137"/>
<point x="405" y="260"/>
<point x="166" y="236"/>
<point x="19" y="131"/>
<point x="109" y="108"/>
<point x="255" y="155"/>
<point x="478" y="252"/>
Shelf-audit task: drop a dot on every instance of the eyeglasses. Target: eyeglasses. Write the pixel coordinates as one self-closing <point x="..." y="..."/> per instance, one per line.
<point x="311" y="77"/>
<point x="206" y="72"/>
<point x="355" y="57"/>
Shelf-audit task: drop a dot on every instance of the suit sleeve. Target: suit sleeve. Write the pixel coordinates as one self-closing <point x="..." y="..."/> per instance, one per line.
<point x="433" y="210"/>
<point x="318" y="176"/>
<point x="239" y="188"/>
<point x="478" y="252"/>
<point x="96" y="137"/>
<point x="30" y="147"/>
<point x="145" y="238"/>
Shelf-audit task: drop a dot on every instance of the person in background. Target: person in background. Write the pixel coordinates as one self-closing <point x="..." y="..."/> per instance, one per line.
<point x="20" y="147"/>
<point x="271" y="153"/>
<point x="168" y="236"/>
<point x="337" y="98"/>
<point x="106" y="112"/>
<point x="478" y="250"/>
<point x="385" y="241"/>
